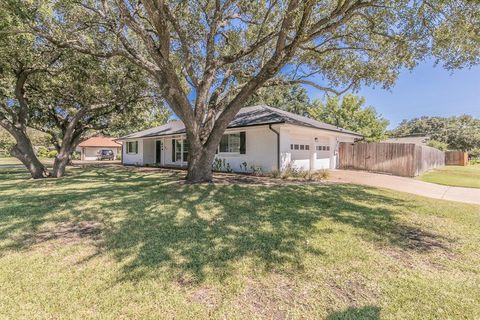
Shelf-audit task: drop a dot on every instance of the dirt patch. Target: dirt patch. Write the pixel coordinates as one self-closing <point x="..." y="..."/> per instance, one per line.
<point x="208" y="297"/>
<point x="354" y="292"/>
<point x="272" y="299"/>
<point x="414" y="238"/>
<point x="66" y="233"/>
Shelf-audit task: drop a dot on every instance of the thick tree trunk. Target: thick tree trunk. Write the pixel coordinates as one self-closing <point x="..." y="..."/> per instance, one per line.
<point x="24" y="152"/>
<point x="200" y="161"/>
<point x="60" y="164"/>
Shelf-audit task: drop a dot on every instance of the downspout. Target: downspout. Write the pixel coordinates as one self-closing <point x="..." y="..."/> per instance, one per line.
<point x="278" y="145"/>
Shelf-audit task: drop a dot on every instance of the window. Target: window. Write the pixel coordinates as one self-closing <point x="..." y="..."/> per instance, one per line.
<point x="322" y="148"/>
<point x="299" y="147"/>
<point x="185" y="150"/>
<point x="132" y="147"/>
<point x="233" y="143"/>
<point x="177" y="153"/>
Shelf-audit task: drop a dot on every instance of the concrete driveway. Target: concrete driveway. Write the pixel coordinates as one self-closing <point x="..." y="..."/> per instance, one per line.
<point x="426" y="189"/>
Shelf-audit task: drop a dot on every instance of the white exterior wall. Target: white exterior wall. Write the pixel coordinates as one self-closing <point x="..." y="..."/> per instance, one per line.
<point x="261" y="149"/>
<point x="133" y="158"/>
<point x="311" y="159"/>
<point x="90" y="153"/>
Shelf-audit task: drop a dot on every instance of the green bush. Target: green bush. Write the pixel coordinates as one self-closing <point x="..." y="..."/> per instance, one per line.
<point x="42" y="152"/>
<point x="75" y="155"/>
<point x="52" y="154"/>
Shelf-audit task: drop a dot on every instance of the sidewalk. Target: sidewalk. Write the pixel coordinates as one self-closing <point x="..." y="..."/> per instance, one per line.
<point x="421" y="188"/>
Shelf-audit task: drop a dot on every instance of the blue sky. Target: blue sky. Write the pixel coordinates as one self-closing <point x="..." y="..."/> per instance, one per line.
<point x="427" y="90"/>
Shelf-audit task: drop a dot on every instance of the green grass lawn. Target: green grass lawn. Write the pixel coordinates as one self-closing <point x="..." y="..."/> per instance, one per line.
<point x="114" y="243"/>
<point x="458" y="176"/>
<point x="9" y="161"/>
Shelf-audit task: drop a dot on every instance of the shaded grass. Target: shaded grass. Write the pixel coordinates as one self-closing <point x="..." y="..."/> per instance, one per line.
<point x="459" y="176"/>
<point x="111" y="242"/>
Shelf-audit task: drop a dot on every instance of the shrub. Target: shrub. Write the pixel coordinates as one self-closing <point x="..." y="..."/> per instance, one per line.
<point x="52" y="154"/>
<point x="276" y="174"/>
<point x="256" y="171"/>
<point x="322" y="174"/>
<point x="119" y="156"/>
<point x="75" y="155"/>
<point x="42" y="152"/>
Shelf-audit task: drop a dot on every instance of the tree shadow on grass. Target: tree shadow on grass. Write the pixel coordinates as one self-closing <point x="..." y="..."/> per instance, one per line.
<point x="363" y="313"/>
<point x="151" y="223"/>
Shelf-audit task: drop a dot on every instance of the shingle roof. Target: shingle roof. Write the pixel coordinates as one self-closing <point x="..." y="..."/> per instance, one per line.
<point x="100" y="142"/>
<point x="248" y="116"/>
<point x="420" y="140"/>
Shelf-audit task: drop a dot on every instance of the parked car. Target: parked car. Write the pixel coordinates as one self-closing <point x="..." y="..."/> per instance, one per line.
<point x="105" y="154"/>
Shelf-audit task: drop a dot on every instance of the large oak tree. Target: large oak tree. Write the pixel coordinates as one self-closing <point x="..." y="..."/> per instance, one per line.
<point x="209" y="56"/>
<point x="64" y="93"/>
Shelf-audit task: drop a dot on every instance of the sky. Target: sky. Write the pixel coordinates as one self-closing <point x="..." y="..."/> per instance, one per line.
<point x="427" y="90"/>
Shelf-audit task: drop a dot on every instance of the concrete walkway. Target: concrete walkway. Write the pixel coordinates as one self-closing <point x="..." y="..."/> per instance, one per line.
<point x="421" y="188"/>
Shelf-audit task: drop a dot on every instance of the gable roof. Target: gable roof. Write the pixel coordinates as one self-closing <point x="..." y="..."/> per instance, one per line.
<point x="246" y="117"/>
<point x="100" y="142"/>
<point x="420" y="140"/>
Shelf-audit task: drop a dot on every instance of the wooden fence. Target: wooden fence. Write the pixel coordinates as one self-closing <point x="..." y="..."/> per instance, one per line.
<point x="456" y="158"/>
<point x="401" y="159"/>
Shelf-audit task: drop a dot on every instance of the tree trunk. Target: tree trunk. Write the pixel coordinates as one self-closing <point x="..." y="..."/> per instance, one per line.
<point x="200" y="161"/>
<point x="23" y="151"/>
<point x="60" y="164"/>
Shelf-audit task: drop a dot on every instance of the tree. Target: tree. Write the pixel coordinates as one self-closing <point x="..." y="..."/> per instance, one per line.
<point x="350" y="114"/>
<point x="65" y="94"/>
<point x="140" y="119"/>
<point x="208" y="57"/>
<point x="292" y="98"/>
<point x="459" y="133"/>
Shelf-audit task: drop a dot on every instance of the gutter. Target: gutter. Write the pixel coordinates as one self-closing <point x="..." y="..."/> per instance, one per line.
<point x="278" y="145"/>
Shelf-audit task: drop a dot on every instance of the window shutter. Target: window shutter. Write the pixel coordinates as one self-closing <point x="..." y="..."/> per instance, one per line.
<point x="242" y="142"/>
<point x="173" y="151"/>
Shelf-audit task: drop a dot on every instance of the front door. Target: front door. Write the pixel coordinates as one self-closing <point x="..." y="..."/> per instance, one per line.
<point x="158" y="151"/>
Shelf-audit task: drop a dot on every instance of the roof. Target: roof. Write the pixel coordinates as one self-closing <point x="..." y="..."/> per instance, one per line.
<point x="100" y="142"/>
<point x="418" y="140"/>
<point x="248" y="116"/>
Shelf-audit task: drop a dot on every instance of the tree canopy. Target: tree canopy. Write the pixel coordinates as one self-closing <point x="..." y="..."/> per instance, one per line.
<point x="459" y="133"/>
<point x="64" y="93"/>
<point x="350" y="114"/>
<point x="208" y="57"/>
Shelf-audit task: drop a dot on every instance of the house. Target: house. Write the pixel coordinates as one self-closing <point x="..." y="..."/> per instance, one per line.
<point x="89" y="148"/>
<point x="417" y="140"/>
<point x="258" y="137"/>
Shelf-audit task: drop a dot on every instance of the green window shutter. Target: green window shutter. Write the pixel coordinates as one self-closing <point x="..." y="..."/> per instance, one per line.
<point x="173" y="151"/>
<point x="242" y="142"/>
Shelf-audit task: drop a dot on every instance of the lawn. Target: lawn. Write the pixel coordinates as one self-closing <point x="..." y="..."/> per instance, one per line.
<point x="115" y="243"/>
<point x="458" y="176"/>
<point x="9" y="161"/>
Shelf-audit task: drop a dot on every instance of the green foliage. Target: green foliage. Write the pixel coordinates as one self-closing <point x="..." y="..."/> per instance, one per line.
<point x="289" y="98"/>
<point x="438" y="145"/>
<point x="350" y="114"/>
<point x="460" y="133"/>
<point x="6" y="140"/>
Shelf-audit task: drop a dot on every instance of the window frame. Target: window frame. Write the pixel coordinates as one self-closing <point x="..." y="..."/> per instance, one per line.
<point x="132" y="143"/>
<point x="239" y="134"/>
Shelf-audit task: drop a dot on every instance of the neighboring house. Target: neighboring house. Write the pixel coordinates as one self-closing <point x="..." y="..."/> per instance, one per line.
<point x="258" y="137"/>
<point x="89" y="148"/>
<point x="418" y="140"/>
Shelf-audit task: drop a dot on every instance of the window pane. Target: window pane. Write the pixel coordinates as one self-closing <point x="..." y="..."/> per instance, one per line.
<point x="234" y="142"/>
<point x="185" y="150"/>
<point x="224" y="143"/>
<point x="296" y="147"/>
<point x="302" y="147"/>
<point x="178" y="150"/>
<point x="307" y="147"/>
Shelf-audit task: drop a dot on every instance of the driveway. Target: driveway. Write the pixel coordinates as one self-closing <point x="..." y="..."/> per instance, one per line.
<point x="426" y="189"/>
